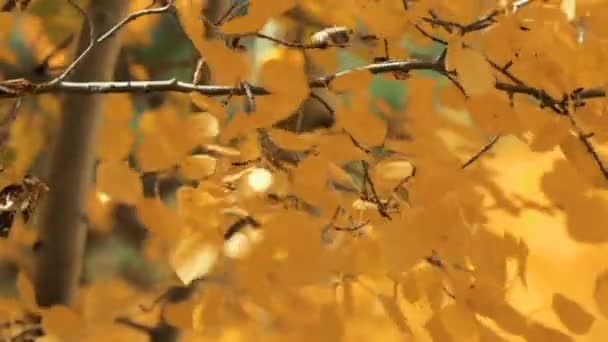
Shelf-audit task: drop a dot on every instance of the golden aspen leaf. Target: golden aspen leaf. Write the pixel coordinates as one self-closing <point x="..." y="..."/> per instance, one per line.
<point x="119" y="181"/>
<point x="282" y="73"/>
<point x="332" y="323"/>
<point x="493" y="114"/>
<point x="575" y="150"/>
<point x="409" y="288"/>
<point x="197" y="167"/>
<point x="310" y="179"/>
<point x="193" y="258"/>
<point x="571" y="314"/>
<point x="114" y="141"/>
<point x="258" y="12"/>
<point x="62" y="322"/>
<point x="210" y="105"/>
<point x="569" y="8"/>
<point x="152" y="155"/>
<point x="384" y="18"/>
<point x="229" y="66"/>
<point x="98" y="210"/>
<point x="473" y="71"/>
<point x="436" y="330"/>
<point x="104" y="301"/>
<point x="459" y="321"/>
<point x="393" y="170"/>
<point x="339" y="148"/>
<point x="452" y="97"/>
<point x="26" y="290"/>
<point x="403" y="244"/>
<point x="209" y="312"/>
<point x="539" y="332"/>
<point x="238" y="246"/>
<point x="202" y="127"/>
<point x="394" y="313"/>
<point x="352" y="81"/>
<point x="578" y="211"/>
<point x="189" y="12"/>
<point x="293" y="141"/>
<point x="119" y="109"/>
<point x="552" y="132"/>
<point x="179" y="314"/>
<point x="139" y="72"/>
<point x="293" y="250"/>
<point x="158" y="218"/>
<point x="340" y="176"/>
<point x="600" y="292"/>
<point x="366" y="128"/>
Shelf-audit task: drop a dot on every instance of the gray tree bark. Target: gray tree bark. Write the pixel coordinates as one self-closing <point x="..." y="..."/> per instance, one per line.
<point x="61" y="229"/>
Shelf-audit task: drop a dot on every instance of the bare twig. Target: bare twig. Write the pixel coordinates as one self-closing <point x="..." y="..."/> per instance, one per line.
<point x="5" y="124"/>
<point x="585" y="140"/>
<point x="376" y="200"/>
<point x="133" y="16"/>
<point x="11" y="88"/>
<point x="78" y="59"/>
<point x="93" y="41"/>
<point x="485" y="149"/>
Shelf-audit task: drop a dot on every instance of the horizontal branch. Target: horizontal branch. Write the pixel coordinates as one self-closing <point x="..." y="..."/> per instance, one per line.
<point x="14" y="89"/>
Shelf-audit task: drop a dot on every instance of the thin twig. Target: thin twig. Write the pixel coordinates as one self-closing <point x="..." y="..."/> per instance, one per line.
<point x="5" y="125"/>
<point x="78" y="59"/>
<point x="367" y="180"/>
<point x="485" y="149"/>
<point x="93" y="41"/>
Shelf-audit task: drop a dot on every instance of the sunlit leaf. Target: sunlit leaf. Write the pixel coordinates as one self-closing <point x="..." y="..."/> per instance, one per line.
<point x="119" y="182"/>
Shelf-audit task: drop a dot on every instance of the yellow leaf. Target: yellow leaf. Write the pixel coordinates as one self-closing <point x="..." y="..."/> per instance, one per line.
<point x="339" y="148"/>
<point x="62" y="322"/>
<point x="492" y="112"/>
<point x="98" y="210"/>
<point x="292" y="141"/>
<point x="197" y="167"/>
<point x="393" y="170"/>
<point x="552" y="132"/>
<point x="114" y="141"/>
<point x="394" y="313"/>
<point x="282" y="73"/>
<point x="119" y="181"/>
<point x="569" y="8"/>
<point x="579" y="155"/>
<point x="161" y="220"/>
<point x="310" y="179"/>
<point x="539" y="332"/>
<point x="189" y="12"/>
<point x="571" y="314"/>
<point x="459" y="321"/>
<point x="201" y="127"/>
<point x="367" y="129"/>
<point x="258" y="12"/>
<point x="600" y="292"/>
<point x="180" y="314"/>
<point x="474" y="72"/>
<point x="193" y="258"/>
<point x="229" y="66"/>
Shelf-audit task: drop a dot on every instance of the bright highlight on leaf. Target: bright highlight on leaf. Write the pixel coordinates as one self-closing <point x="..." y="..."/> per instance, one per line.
<point x="193" y="258"/>
<point x="259" y="179"/>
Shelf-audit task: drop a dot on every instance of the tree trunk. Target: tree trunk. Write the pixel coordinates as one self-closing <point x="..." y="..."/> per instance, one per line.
<point x="61" y="229"/>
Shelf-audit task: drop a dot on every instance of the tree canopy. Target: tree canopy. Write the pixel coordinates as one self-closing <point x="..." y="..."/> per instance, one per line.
<point x="332" y="170"/>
